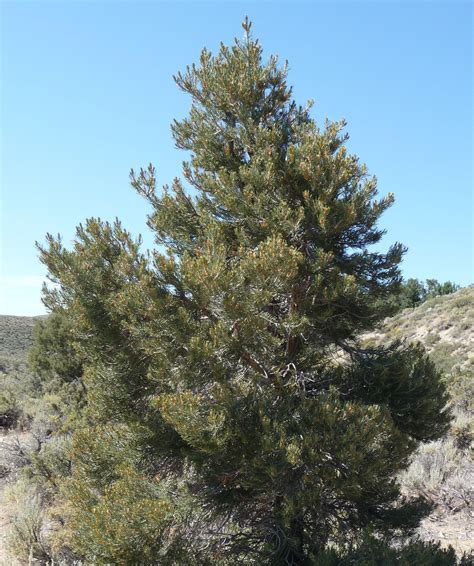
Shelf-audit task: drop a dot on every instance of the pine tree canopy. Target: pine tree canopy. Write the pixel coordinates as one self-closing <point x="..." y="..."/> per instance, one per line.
<point x="228" y="395"/>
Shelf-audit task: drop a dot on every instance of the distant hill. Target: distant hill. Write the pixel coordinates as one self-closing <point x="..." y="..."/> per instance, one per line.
<point x="16" y="335"/>
<point x="16" y="382"/>
<point x="444" y="325"/>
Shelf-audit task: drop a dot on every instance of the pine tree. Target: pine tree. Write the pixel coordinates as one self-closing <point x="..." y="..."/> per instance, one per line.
<point x="225" y="366"/>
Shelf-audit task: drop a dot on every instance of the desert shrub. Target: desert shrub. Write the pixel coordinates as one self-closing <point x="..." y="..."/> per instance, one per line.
<point x="462" y="301"/>
<point x="443" y="355"/>
<point x="443" y="473"/>
<point x="26" y="538"/>
<point x="10" y="409"/>
<point x="49" y="394"/>
<point x="16" y="336"/>
<point x="432" y="339"/>
<point x="463" y="437"/>
<point x="433" y="463"/>
<point x="18" y="387"/>
<point x="461" y="386"/>
<point x="463" y="434"/>
<point x="14" y="454"/>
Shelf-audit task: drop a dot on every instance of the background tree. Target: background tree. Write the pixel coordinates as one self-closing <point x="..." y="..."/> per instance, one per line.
<point x="414" y="292"/>
<point x="52" y="355"/>
<point x="434" y="288"/>
<point x="223" y="371"/>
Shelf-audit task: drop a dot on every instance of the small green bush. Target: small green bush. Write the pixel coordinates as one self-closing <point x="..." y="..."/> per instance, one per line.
<point x="10" y="410"/>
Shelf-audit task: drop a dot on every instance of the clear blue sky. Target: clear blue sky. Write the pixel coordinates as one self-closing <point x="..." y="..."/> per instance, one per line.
<point x="87" y="93"/>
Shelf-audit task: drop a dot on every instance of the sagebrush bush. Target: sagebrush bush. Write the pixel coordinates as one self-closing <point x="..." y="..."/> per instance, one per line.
<point x="443" y="471"/>
<point x="26" y="538"/>
<point x="433" y="464"/>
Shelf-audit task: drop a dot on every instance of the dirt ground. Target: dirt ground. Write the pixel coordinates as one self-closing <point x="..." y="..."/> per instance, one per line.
<point x="456" y="530"/>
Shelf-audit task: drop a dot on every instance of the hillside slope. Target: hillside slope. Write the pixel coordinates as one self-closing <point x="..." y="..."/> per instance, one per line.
<point x="16" y="334"/>
<point x="443" y="471"/>
<point x="444" y="325"/>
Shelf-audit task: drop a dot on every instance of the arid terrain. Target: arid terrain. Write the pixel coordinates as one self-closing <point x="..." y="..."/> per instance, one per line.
<point x="444" y="470"/>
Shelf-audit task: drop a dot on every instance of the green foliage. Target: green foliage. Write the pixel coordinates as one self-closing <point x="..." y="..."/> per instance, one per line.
<point x="224" y="368"/>
<point x="374" y="552"/>
<point x="17" y="389"/>
<point x="124" y="524"/>
<point x="52" y="354"/>
<point x="414" y="292"/>
<point x="434" y="288"/>
<point x="113" y="513"/>
<point x="10" y="409"/>
<point x="408" y="383"/>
